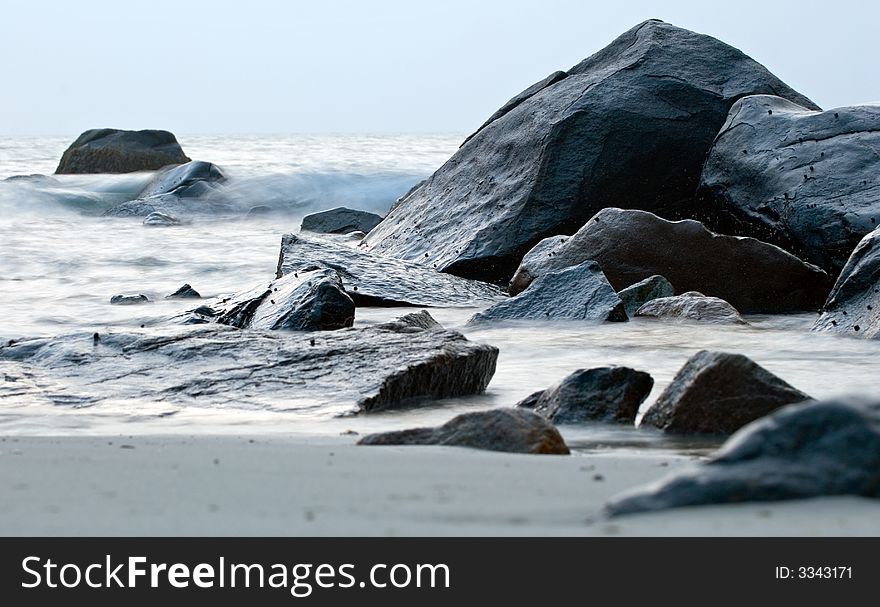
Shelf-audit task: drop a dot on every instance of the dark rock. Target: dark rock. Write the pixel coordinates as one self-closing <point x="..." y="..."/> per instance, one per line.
<point x="182" y="190"/>
<point x="115" y="151"/>
<point x="637" y="295"/>
<point x="509" y="430"/>
<point x="373" y="280"/>
<point x="310" y="301"/>
<point x="416" y="321"/>
<point x="340" y="221"/>
<point x="129" y="300"/>
<point x="718" y="393"/>
<point x="576" y="293"/>
<point x="853" y="308"/>
<point x="316" y="374"/>
<point x="633" y="123"/>
<point x="160" y="220"/>
<point x="604" y="394"/>
<point x="189" y="180"/>
<point x="805" y="180"/>
<point x="184" y="292"/>
<point x="630" y="246"/>
<point x="802" y="451"/>
<point x="692" y="307"/>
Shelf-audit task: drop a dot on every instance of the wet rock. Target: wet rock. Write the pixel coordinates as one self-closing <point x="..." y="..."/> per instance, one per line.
<point x="853" y="308"/>
<point x="184" y="292"/>
<point x="373" y="280"/>
<point x="416" y="321"/>
<point x="260" y="210"/>
<point x="129" y="300"/>
<point x="637" y="295"/>
<point x="340" y="221"/>
<point x="116" y="151"/>
<point x="631" y="245"/>
<point x="718" y="393"/>
<point x="692" y="307"/>
<point x="808" y="181"/>
<point x="188" y="189"/>
<point x="576" y="293"/>
<point x="160" y="220"/>
<point x="801" y="451"/>
<point x="633" y="123"/>
<point x="604" y="394"/>
<point x="188" y="180"/>
<point x="509" y="430"/>
<point x="212" y="365"/>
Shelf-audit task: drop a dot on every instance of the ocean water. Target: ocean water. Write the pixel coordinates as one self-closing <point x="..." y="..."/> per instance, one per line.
<point x="61" y="262"/>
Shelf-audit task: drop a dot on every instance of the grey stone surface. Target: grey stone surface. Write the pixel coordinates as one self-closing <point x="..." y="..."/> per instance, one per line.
<point x="340" y="221"/>
<point x="640" y="293"/>
<point x="188" y="189"/>
<point x="129" y="300"/>
<point x="160" y="220"/>
<point x="692" y="307"/>
<point x="117" y="151"/>
<point x="184" y="292"/>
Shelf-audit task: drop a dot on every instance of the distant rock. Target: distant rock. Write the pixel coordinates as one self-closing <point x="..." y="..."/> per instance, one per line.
<point x="718" y="393"/>
<point x="853" y="308"/>
<point x="808" y="181"/>
<point x="116" y="151"/>
<point x="261" y="210"/>
<point x="802" y="451"/>
<point x="187" y="189"/>
<point x="637" y="295"/>
<point x="577" y="293"/>
<point x="129" y="300"/>
<point x="631" y="246"/>
<point x="632" y="123"/>
<point x="604" y="394"/>
<point x="373" y="280"/>
<point x="34" y="178"/>
<point x="692" y="307"/>
<point x="340" y="221"/>
<point x="160" y="220"/>
<point x="184" y="292"/>
<point x="315" y="374"/>
<point x="416" y="321"/>
<point x="509" y="430"/>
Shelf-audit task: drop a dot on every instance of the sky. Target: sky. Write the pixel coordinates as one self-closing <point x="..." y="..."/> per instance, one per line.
<point x="343" y="66"/>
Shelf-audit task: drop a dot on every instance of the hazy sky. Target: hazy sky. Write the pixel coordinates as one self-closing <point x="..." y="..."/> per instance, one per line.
<point x="262" y="66"/>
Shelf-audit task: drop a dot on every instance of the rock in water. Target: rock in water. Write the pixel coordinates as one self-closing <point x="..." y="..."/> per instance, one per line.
<point x="633" y="123"/>
<point x="184" y="189"/>
<point x="692" y="307"/>
<point x="577" y="293"/>
<point x="340" y="221"/>
<point x="184" y="292"/>
<point x="129" y="300"/>
<point x="853" y="308"/>
<point x="802" y="451"/>
<point x="718" y="393"/>
<point x="330" y="373"/>
<point x="115" y="151"/>
<point x="604" y="394"/>
<point x="309" y="301"/>
<point x="160" y="220"/>
<point x="630" y="246"/>
<point x="637" y="295"/>
<point x="808" y="181"/>
<point x="510" y="430"/>
<point x="373" y="280"/>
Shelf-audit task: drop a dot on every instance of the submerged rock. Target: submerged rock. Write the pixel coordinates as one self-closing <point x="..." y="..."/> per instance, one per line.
<point x="160" y="220"/>
<point x="634" y="123"/>
<point x="116" y="151"/>
<point x="604" y="394"/>
<point x="182" y="190"/>
<point x="129" y="300"/>
<point x="808" y="181"/>
<point x="853" y="308"/>
<point x="373" y="280"/>
<point x="184" y="292"/>
<point x="340" y="221"/>
<point x="692" y="307"/>
<point x="509" y="430"/>
<point x="637" y="295"/>
<point x="577" y="293"/>
<point x="211" y="365"/>
<point x="802" y="451"/>
<point x="718" y="393"/>
<point x="630" y="246"/>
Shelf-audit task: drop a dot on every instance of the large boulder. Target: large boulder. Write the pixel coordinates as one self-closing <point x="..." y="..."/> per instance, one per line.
<point x="340" y="221"/>
<point x="718" y="393"/>
<point x="604" y="394"/>
<point x="374" y="280"/>
<point x="691" y="307"/>
<point x="631" y="123"/>
<point x="212" y="365"/>
<point x="188" y="189"/>
<point x="116" y="151"/>
<point x="510" y="430"/>
<point x="576" y="293"/>
<point x="806" y="180"/>
<point x="631" y="245"/>
<point x="853" y="308"/>
<point x="802" y="451"/>
<point x="637" y="295"/>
